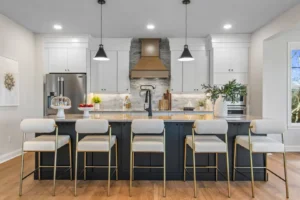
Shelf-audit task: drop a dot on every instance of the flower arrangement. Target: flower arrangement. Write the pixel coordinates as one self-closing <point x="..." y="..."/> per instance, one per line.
<point x="9" y="81"/>
<point x="230" y="91"/>
<point x="202" y="103"/>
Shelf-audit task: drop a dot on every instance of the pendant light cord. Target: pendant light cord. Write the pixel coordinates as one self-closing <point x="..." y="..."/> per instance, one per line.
<point x="186" y="27"/>
<point x="101" y="24"/>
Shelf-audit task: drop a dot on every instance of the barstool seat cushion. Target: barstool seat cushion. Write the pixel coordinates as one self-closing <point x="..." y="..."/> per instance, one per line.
<point x="207" y="144"/>
<point x="46" y="143"/>
<point x="96" y="143"/>
<point x="261" y="144"/>
<point x="148" y="144"/>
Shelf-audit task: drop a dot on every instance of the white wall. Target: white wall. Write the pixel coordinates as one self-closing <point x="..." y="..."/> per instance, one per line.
<point x="287" y="20"/>
<point x="17" y="43"/>
<point x="275" y="82"/>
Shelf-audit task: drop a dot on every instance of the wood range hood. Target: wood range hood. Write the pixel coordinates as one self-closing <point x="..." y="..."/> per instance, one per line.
<point x="150" y="64"/>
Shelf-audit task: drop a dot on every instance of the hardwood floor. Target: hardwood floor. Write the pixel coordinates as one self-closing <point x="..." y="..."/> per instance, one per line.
<point x="33" y="189"/>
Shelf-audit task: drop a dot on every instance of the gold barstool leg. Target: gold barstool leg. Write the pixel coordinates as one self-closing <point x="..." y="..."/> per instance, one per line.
<point x="109" y="160"/>
<point x="39" y="165"/>
<point x="228" y="176"/>
<point x="285" y="176"/>
<point x="266" y="171"/>
<point x="84" y="166"/>
<point x="21" y="174"/>
<point x="216" y="166"/>
<point x="195" y="181"/>
<point x="184" y="167"/>
<point x="117" y="170"/>
<point x="54" y="170"/>
<point x="70" y="159"/>
<point x="252" y="175"/>
<point x="133" y="166"/>
<point x="76" y="162"/>
<point x="234" y="160"/>
<point x="164" y="170"/>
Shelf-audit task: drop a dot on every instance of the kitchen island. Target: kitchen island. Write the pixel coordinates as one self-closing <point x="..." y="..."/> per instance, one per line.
<point x="177" y="127"/>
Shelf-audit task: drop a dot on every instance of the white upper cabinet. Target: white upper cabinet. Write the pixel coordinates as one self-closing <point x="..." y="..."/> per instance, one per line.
<point x="67" y="60"/>
<point x="187" y="77"/>
<point x="230" y="60"/>
<point x="77" y="60"/>
<point x="123" y="72"/>
<point x="110" y="76"/>
<point x="57" y="58"/>
<point x="176" y="72"/>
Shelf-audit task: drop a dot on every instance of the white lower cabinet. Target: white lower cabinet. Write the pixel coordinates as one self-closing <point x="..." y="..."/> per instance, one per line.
<point x="110" y="76"/>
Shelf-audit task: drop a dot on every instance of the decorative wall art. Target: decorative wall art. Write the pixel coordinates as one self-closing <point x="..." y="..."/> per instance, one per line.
<point x="9" y="82"/>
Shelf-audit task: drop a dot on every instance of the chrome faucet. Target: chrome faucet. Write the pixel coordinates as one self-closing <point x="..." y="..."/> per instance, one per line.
<point x="148" y="99"/>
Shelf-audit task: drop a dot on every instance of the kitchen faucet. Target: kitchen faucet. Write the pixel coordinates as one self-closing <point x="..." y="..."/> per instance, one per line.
<point x="148" y="99"/>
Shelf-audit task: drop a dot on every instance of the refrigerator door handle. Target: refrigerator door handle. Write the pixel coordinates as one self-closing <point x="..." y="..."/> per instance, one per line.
<point x="58" y="89"/>
<point x="62" y="86"/>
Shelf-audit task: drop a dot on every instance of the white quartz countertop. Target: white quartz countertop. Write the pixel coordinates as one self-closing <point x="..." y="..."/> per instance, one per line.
<point x="174" y="118"/>
<point x="154" y="110"/>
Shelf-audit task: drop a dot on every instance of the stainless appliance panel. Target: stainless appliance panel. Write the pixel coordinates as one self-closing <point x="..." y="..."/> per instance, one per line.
<point x="72" y="86"/>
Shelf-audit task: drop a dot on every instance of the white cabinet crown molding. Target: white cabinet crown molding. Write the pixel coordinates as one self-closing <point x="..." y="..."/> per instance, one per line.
<point x="111" y="44"/>
<point x="197" y="44"/>
<point x="228" y="41"/>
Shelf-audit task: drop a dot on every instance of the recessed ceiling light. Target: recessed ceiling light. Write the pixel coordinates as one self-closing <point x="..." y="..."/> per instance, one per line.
<point x="57" y="27"/>
<point x="150" y="26"/>
<point x="227" y="26"/>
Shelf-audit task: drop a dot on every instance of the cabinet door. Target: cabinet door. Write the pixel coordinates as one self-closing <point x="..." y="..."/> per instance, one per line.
<point x="201" y="73"/>
<point x="77" y="60"/>
<point x="96" y="75"/>
<point x="223" y="78"/>
<point x="221" y="60"/>
<point x="239" y="60"/>
<point x="109" y="72"/>
<point x="176" y="72"/>
<point x="196" y="72"/>
<point x="58" y="60"/>
<point x="123" y="72"/>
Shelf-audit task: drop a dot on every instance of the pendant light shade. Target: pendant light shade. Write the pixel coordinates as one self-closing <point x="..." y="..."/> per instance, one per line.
<point x="186" y="54"/>
<point x="101" y="55"/>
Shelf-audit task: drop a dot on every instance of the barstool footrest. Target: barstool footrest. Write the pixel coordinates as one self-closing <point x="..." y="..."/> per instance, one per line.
<point x="154" y="167"/>
<point x="258" y="168"/>
<point x="205" y="167"/>
<point x="100" y="166"/>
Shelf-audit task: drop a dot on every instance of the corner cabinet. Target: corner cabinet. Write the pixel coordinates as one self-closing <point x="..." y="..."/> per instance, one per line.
<point x="66" y="60"/>
<point x="187" y="77"/>
<point x="110" y="76"/>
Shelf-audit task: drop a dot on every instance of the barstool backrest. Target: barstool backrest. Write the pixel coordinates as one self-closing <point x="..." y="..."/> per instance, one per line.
<point x="267" y="126"/>
<point x="91" y="126"/>
<point x="37" y="125"/>
<point x="211" y="126"/>
<point x="147" y="126"/>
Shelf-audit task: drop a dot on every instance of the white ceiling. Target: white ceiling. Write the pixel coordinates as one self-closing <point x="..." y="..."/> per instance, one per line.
<point x="128" y="18"/>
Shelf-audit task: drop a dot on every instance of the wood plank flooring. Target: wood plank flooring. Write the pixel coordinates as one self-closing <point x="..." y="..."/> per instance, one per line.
<point x="88" y="190"/>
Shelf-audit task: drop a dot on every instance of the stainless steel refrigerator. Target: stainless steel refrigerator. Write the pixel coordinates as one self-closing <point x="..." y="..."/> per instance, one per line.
<point x="72" y="86"/>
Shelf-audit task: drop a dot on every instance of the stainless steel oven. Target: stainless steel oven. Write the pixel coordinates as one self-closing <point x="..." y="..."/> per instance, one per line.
<point x="237" y="109"/>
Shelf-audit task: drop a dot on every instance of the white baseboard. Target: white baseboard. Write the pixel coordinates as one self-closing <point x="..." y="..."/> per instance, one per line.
<point x="292" y="148"/>
<point x="10" y="155"/>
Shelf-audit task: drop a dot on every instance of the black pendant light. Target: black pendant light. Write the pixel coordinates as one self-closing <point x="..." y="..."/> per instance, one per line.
<point x="186" y="54"/>
<point x="101" y="55"/>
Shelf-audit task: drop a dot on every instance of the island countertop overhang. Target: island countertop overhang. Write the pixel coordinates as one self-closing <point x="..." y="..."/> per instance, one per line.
<point x="174" y="118"/>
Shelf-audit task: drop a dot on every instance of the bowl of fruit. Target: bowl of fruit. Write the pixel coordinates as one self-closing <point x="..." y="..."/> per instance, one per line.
<point x="86" y="108"/>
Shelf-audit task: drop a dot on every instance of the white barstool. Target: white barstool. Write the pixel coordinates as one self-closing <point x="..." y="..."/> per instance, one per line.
<point x="262" y="144"/>
<point x="44" y="143"/>
<point x="207" y="144"/>
<point x="96" y="143"/>
<point x="147" y="143"/>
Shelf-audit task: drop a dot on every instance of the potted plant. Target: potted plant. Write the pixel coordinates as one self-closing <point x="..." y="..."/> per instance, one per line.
<point x="96" y="100"/>
<point x="220" y="95"/>
<point x="202" y="104"/>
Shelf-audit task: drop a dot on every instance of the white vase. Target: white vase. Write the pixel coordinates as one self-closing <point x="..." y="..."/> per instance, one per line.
<point x="97" y="106"/>
<point x="221" y="107"/>
<point x="201" y="108"/>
